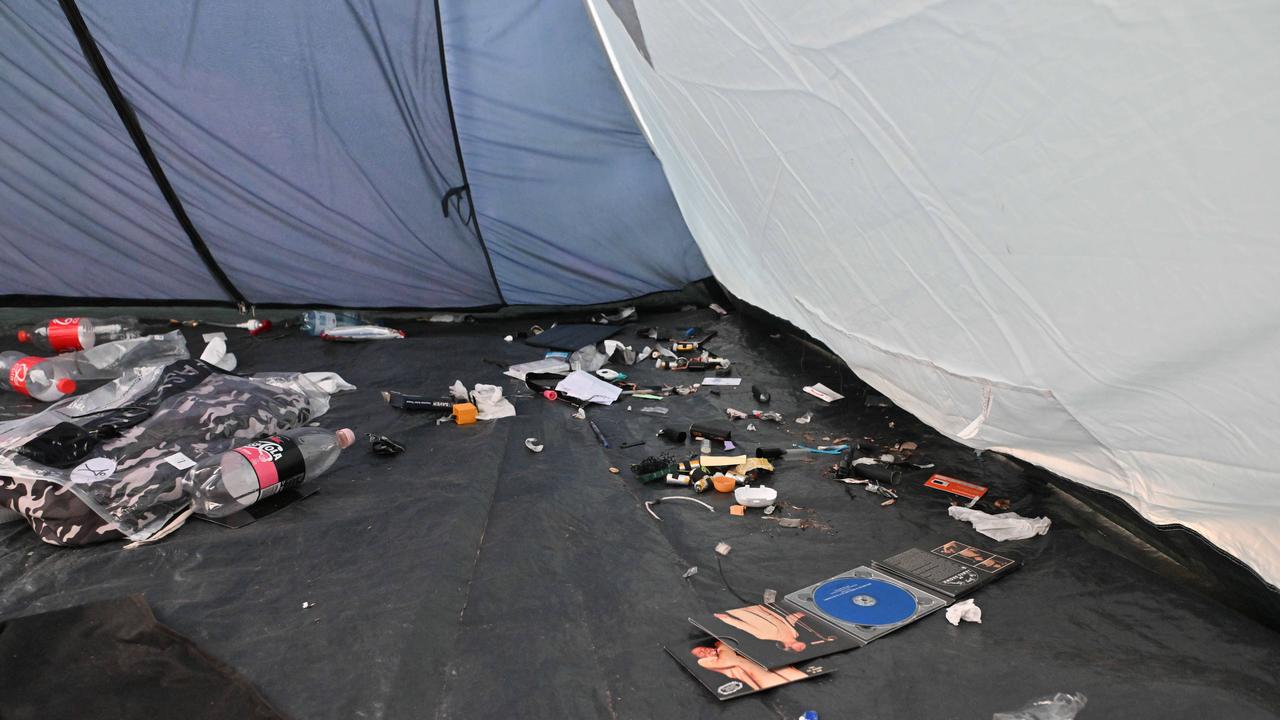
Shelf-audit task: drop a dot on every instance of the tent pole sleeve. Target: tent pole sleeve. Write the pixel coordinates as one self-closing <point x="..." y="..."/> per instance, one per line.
<point x="465" y="188"/>
<point x="130" y="120"/>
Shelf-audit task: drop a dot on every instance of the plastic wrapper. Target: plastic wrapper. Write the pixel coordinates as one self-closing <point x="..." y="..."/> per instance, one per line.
<point x="1063" y="706"/>
<point x="138" y="429"/>
<point x="109" y="360"/>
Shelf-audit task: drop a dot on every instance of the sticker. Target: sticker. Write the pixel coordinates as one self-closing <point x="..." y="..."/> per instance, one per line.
<point x="277" y="461"/>
<point x="20" y="370"/>
<point x="93" y="470"/>
<point x="180" y="461"/>
<point x="64" y="334"/>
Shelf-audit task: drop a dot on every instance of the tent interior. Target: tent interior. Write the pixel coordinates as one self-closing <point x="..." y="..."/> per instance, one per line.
<point x="924" y="276"/>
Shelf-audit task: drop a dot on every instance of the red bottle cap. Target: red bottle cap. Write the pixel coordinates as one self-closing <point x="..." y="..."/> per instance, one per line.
<point x="346" y="438"/>
<point x="24" y="336"/>
<point x="66" y="386"/>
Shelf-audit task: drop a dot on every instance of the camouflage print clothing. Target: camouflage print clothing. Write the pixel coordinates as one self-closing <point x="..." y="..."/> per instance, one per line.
<point x="188" y="407"/>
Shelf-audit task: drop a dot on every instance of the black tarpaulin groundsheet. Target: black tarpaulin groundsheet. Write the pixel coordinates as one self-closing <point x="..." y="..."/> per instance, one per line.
<point x="470" y="577"/>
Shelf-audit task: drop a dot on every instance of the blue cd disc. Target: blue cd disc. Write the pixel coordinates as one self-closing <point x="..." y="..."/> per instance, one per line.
<point x="864" y="601"/>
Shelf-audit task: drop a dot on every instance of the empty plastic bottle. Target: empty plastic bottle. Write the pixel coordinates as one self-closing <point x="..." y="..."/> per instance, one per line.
<point x="240" y="477"/>
<point x="70" y="334"/>
<point x="315" y="322"/>
<point x="45" y="379"/>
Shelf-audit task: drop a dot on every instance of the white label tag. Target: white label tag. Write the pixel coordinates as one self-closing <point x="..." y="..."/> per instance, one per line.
<point x="180" y="461"/>
<point x="210" y="337"/>
<point x="93" y="470"/>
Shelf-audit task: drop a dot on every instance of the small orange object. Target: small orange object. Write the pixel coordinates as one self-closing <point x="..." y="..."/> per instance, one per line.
<point x="724" y="483"/>
<point x="738" y="510"/>
<point x="464" y="413"/>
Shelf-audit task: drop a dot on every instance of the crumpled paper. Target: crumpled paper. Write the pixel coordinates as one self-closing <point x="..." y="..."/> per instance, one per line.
<point x="965" y="610"/>
<point x="1005" y="526"/>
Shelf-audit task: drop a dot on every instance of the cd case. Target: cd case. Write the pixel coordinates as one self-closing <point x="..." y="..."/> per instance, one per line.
<point x="866" y="603"/>
<point x="951" y="568"/>
<point x="728" y="674"/>
<point x="775" y="634"/>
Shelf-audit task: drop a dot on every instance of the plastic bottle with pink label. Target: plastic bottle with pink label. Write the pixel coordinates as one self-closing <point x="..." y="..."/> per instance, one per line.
<point x="240" y="477"/>
<point x="70" y="334"/>
<point x="45" y="379"/>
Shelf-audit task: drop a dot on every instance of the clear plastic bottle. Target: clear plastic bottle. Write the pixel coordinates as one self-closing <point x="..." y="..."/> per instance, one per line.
<point x="236" y="479"/>
<point x="45" y="379"/>
<point x="70" y="334"/>
<point x="315" y="322"/>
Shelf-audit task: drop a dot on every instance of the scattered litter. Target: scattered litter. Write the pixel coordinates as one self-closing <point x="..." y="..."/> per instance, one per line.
<point x="1063" y="706"/>
<point x="888" y="502"/>
<point x="760" y="394"/>
<point x="1005" y="526"/>
<point x="757" y="496"/>
<point x="545" y="365"/>
<point x="361" y="333"/>
<point x="1002" y="504"/>
<point x="770" y="416"/>
<point x="733" y="414"/>
<point x="584" y="386"/>
<point x="587" y="359"/>
<point x="738" y="510"/>
<point x="804" y="419"/>
<point x="790" y="522"/>
<point x="956" y="487"/>
<point x="725" y="381"/>
<point x="533" y="444"/>
<point x="751" y="427"/>
<point x="648" y="506"/>
<point x="964" y="610"/>
<point x="719" y="310"/>
<point x="672" y="434"/>
<point x="770" y="596"/>
<point x="809" y="715"/>
<point x="610" y="375"/>
<point x="722" y="548"/>
<point x="400" y="401"/>
<point x="595" y="430"/>
<point x="383" y="445"/>
<point x="631" y="444"/>
<point x="654" y="410"/>
<point x="625" y="313"/>
<point x="490" y="405"/>
<point x="509" y="338"/>
<point x="822" y="392"/>
<point x="690" y="572"/>
<point x="614" y="470"/>
<point x="770" y="510"/>
<point x="308" y="605"/>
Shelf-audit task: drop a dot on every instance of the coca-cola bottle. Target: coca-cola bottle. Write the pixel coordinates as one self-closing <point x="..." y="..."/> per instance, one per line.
<point x="240" y="477"/>
<point x="70" y="334"/>
<point x="45" y="379"/>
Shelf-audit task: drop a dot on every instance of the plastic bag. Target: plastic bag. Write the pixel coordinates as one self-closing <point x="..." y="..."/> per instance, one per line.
<point x="144" y="427"/>
<point x="587" y="359"/>
<point x="1062" y="706"/>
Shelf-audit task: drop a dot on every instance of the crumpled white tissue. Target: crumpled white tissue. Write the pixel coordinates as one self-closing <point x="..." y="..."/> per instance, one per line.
<point x="490" y="405"/>
<point x="1005" y="526"/>
<point x="215" y="353"/>
<point x="964" y="610"/>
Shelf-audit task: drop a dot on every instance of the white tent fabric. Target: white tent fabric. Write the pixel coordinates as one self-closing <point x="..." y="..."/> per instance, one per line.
<point x="1047" y="229"/>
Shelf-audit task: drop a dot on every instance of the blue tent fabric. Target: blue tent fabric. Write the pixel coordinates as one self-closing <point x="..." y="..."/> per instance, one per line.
<point x="572" y="202"/>
<point x="311" y="147"/>
<point x="79" y="213"/>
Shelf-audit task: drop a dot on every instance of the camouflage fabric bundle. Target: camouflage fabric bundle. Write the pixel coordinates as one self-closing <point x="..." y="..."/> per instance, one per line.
<point x="126" y="485"/>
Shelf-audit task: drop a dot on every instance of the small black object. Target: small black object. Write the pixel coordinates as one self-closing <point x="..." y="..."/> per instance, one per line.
<point x="633" y="443"/>
<point x="62" y="445"/>
<point x="710" y="431"/>
<point x="672" y="434"/>
<point x="769" y="453"/>
<point x="761" y="395"/>
<point x="879" y="473"/>
<point x="383" y="445"/>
